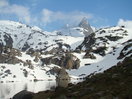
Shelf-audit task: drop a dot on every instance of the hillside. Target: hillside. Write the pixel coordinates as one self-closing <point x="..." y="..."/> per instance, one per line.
<point x="112" y="83"/>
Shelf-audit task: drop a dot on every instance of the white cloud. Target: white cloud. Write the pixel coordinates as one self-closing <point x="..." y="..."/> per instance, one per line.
<point x="126" y="23"/>
<point x="45" y="17"/>
<point x="20" y="11"/>
<point x="49" y="16"/>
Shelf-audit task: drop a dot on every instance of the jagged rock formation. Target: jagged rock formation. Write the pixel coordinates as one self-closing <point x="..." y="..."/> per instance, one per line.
<point x="82" y="29"/>
<point x="87" y="43"/>
<point x="86" y="26"/>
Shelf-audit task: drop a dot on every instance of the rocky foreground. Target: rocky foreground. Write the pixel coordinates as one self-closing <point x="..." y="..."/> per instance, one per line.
<point x="114" y="83"/>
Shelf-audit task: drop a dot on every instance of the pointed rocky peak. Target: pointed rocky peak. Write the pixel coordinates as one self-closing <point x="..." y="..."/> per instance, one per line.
<point x="85" y="25"/>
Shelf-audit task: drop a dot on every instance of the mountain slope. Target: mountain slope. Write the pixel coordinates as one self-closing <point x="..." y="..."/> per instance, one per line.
<point x="33" y="54"/>
<point x="113" y="83"/>
<point x="103" y="49"/>
<point x="24" y="37"/>
<point x="22" y="47"/>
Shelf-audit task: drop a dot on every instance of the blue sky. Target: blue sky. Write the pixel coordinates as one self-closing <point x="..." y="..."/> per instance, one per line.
<point x="54" y="14"/>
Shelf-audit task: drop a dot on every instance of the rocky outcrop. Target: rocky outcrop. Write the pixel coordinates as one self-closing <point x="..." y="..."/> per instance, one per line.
<point x="8" y="59"/>
<point x="127" y="50"/>
<point x="1" y="46"/>
<point x="9" y="56"/>
<point x="113" y="38"/>
<point x="87" y="43"/>
<point x="35" y="54"/>
<point x="63" y="75"/>
<point x="6" y="39"/>
<point x="29" y="63"/>
<point x="100" y="50"/>
<point x="62" y="78"/>
<point x="89" y="55"/>
<point x="68" y="61"/>
<point x="15" y="52"/>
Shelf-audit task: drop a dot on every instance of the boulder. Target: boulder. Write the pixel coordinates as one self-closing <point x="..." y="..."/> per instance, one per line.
<point x="89" y="55"/>
<point x="29" y="63"/>
<point x="63" y="75"/>
<point x="24" y="95"/>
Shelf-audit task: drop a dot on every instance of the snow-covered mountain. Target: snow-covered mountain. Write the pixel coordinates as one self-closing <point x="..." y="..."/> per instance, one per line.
<point x="20" y="44"/>
<point x="103" y="49"/>
<point x="29" y="53"/>
<point x="24" y="37"/>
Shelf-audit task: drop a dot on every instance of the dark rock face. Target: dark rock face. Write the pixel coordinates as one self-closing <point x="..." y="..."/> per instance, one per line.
<point x="126" y="50"/>
<point x="67" y="61"/>
<point x="25" y="47"/>
<point x="100" y="51"/>
<point x="7" y="39"/>
<point x="24" y="95"/>
<point x="113" y="38"/>
<point x="88" y="42"/>
<point x="1" y="46"/>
